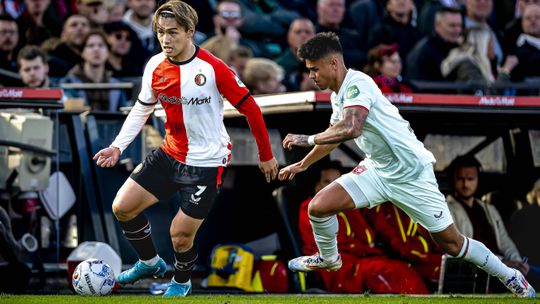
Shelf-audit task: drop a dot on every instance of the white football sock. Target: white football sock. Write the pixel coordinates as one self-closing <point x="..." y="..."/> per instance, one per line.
<point x="152" y="262"/>
<point x="478" y="254"/>
<point x="325" y="230"/>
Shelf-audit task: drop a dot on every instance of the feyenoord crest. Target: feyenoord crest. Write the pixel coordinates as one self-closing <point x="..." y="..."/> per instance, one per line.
<point x="200" y="79"/>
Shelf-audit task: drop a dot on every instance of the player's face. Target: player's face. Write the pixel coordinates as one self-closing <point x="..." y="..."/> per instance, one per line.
<point x="322" y="71"/>
<point x="466" y="181"/>
<point x="174" y="39"/>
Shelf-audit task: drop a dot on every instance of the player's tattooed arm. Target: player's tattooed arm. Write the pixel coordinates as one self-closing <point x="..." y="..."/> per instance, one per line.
<point x="350" y="127"/>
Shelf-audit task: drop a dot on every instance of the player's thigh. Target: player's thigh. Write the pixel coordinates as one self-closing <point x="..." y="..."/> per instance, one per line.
<point x="132" y="199"/>
<point x="422" y="201"/>
<point x="330" y="200"/>
<point x="363" y="185"/>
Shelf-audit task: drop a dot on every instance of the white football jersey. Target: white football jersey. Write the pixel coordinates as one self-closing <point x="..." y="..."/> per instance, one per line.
<point x="387" y="139"/>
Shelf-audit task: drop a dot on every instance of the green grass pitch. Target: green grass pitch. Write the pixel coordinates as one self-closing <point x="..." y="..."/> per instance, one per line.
<point x="263" y="299"/>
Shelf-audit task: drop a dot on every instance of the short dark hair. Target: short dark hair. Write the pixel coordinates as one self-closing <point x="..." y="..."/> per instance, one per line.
<point x="464" y="161"/>
<point x="320" y="46"/>
<point x="448" y="10"/>
<point x="31" y="52"/>
<point x="96" y="32"/>
<point x="332" y="164"/>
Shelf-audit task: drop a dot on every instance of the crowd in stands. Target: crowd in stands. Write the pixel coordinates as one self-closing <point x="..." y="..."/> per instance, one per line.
<point x="395" y="41"/>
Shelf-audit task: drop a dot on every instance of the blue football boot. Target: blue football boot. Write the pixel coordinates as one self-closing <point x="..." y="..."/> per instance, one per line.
<point x="141" y="270"/>
<point x="178" y="289"/>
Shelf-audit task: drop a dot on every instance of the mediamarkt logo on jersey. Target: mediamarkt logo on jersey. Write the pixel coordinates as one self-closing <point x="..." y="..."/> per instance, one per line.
<point x="183" y="100"/>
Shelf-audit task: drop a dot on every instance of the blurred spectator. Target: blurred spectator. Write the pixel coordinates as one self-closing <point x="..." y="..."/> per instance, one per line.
<point x="33" y="67"/>
<point x="427" y="12"/>
<point x="95" y="10"/>
<point x="384" y="66"/>
<point x="123" y="59"/>
<point x="220" y="46"/>
<point x="477" y="219"/>
<point x="473" y="60"/>
<point x="9" y="42"/>
<point x="266" y="18"/>
<point x="533" y="197"/>
<point x="67" y="54"/>
<point x="477" y="13"/>
<point x="14" y="8"/>
<point x="139" y="17"/>
<point x="330" y="15"/>
<point x="263" y="76"/>
<point x="95" y="53"/>
<point x="301" y="30"/>
<point x="228" y="20"/>
<point x="513" y="29"/>
<point x="431" y="50"/>
<point x="204" y="8"/>
<point x="365" y="268"/>
<point x="396" y="27"/>
<point x="116" y="10"/>
<point x="364" y="14"/>
<point x="405" y="240"/>
<point x="238" y="59"/>
<point x="38" y="22"/>
<point x="528" y="51"/>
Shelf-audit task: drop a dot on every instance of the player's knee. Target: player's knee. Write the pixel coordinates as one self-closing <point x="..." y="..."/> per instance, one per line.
<point x="315" y="209"/>
<point x="181" y="241"/>
<point x="121" y="210"/>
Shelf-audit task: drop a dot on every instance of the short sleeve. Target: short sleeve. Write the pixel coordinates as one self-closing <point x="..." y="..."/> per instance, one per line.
<point x="358" y="94"/>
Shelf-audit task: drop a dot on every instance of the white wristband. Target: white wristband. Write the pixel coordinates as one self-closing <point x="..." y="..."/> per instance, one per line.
<point x="311" y="140"/>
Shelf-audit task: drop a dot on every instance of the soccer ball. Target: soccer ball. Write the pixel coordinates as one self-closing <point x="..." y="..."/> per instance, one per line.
<point x="93" y="277"/>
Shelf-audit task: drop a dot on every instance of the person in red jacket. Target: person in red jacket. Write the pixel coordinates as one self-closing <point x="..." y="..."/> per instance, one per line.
<point x="365" y="268"/>
<point x="402" y="237"/>
<point x="385" y="66"/>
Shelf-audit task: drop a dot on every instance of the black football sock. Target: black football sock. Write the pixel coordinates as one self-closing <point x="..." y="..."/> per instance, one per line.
<point x="139" y="234"/>
<point x="183" y="265"/>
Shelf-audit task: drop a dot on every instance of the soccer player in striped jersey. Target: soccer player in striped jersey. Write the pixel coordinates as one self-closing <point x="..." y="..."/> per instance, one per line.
<point x="188" y="82"/>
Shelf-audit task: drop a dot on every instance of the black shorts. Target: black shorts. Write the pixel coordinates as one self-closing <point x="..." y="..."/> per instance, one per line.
<point x="162" y="175"/>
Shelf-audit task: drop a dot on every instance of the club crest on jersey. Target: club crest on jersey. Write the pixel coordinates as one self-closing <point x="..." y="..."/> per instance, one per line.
<point x="200" y="79"/>
<point x="352" y="92"/>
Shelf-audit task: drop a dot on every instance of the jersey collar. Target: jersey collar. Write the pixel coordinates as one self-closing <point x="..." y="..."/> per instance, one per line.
<point x="185" y="61"/>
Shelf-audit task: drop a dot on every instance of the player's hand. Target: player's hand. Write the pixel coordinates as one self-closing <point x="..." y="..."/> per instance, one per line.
<point x="290" y="171"/>
<point x="269" y="168"/>
<point x="107" y="157"/>
<point x="292" y="140"/>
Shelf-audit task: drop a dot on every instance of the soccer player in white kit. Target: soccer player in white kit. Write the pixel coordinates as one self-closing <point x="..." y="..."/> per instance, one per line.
<point x="397" y="168"/>
<point x="188" y="82"/>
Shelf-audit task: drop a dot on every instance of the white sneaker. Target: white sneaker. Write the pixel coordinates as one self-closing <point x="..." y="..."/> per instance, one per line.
<point x="314" y="262"/>
<point x="519" y="286"/>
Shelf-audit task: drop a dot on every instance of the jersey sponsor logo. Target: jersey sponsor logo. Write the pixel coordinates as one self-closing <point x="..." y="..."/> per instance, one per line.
<point x="197" y="101"/>
<point x="352" y="92"/>
<point x="239" y="82"/>
<point x="200" y="79"/>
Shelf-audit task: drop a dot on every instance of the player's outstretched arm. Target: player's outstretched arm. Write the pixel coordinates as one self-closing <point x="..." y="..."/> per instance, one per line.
<point x="318" y="152"/>
<point x="107" y="157"/>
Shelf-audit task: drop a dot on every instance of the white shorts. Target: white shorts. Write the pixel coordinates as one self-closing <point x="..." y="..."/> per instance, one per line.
<point x="419" y="198"/>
